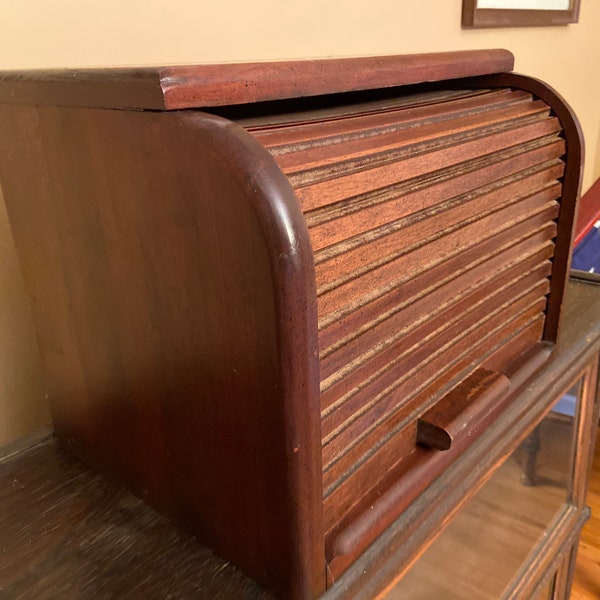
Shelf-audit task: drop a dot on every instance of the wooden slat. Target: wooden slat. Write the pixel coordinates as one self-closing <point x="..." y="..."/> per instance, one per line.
<point x="385" y="243"/>
<point x="349" y="137"/>
<point x="396" y="392"/>
<point x="408" y="164"/>
<point x="340" y="496"/>
<point x="455" y="296"/>
<point x="370" y="214"/>
<point x="351" y="295"/>
<point x="394" y="434"/>
<point x="352" y="491"/>
<point x="473" y="261"/>
<point x="420" y="360"/>
<point x="401" y="486"/>
<point x="386" y="430"/>
<point x="309" y="164"/>
<point x="432" y="226"/>
<point x="355" y="120"/>
<point x="364" y="383"/>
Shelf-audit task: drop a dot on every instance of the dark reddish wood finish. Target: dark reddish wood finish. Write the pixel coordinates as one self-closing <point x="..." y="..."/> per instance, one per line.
<point x="181" y="359"/>
<point x="571" y="184"/>
<point x="61" y="522"/>
<point x="253" y="82"/>
<point x="173" y="88"/>
<point x="245" y="325"/>
<point x="453" y="415"/>
<point x="425" y="266"/>
<point x="393" y="553"/>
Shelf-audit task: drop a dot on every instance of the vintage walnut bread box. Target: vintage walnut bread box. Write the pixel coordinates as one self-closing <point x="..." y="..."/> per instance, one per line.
<point x="277" y="300"/>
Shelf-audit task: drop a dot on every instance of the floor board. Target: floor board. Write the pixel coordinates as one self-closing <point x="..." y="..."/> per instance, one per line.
<point x="485" y="545"/>
<point x="586" y="584"/>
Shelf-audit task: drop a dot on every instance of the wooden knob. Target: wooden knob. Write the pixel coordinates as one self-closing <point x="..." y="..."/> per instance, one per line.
<point x="458" y="411"/>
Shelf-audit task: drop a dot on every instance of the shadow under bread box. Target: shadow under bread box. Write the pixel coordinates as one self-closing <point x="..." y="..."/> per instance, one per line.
<point x="277" y="300"/>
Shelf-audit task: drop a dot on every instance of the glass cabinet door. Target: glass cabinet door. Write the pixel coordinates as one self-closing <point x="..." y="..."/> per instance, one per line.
<point x="496" y="534"/>
<point x="547" y="591"/>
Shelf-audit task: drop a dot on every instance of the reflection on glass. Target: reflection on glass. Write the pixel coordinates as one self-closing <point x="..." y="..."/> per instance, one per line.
<point x="546" y="592"/>
<point x="483" y="548"/>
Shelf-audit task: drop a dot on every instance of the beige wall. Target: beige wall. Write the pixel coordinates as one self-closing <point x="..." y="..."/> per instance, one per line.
<point x="38" y="33"/>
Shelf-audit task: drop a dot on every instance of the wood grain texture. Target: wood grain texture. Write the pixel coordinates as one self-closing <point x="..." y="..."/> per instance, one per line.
<point x="173" y="88"/>
<point x="163" y="346"/>
<point x="68" y="532"/>
<point x="267" y="312"/>
<point x="397" y="548"/>
<point x="586" y="583"/>
<point x="389" y="196"/>
<point x="571" y="181"/>
<point x="451" y="417"/>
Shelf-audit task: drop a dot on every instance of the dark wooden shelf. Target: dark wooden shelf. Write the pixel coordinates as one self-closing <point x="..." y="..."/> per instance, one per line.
<point x="68" y="532"/>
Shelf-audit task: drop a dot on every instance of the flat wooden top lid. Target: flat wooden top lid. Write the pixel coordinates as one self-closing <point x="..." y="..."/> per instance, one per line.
<point x="172" y="88"/>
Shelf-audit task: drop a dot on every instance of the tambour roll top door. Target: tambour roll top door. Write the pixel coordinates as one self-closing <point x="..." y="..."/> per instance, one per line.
<point x="432" y="219"/>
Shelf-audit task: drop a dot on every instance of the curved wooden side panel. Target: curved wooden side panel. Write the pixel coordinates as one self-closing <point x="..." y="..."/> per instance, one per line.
<point x="173" y="291"/>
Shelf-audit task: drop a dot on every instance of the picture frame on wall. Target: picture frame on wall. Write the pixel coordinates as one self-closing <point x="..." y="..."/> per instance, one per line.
<point x="519" y="13"/>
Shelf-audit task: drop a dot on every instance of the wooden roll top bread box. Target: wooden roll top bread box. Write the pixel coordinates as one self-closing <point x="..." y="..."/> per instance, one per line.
<point x="278" y="300"/>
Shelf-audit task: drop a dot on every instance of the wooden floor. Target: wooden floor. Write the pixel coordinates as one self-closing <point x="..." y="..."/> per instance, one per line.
<point x="586" y="585"/>
<point x="481" y="550"/>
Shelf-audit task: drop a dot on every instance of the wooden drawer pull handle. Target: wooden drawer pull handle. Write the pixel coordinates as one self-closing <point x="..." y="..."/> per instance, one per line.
<point x="459" y="410"/>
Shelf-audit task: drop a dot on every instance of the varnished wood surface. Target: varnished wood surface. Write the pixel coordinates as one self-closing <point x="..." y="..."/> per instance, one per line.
<point x="68" y="533"/>
<point x="171" y="88"/>
<point x="572" y="179"/>
<point x="432" y="220"/>
<point x="172" y="288"/>
<point x="395" y="550"/>
<point x="586" y="583"/>
<point x="454" y="414"/>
